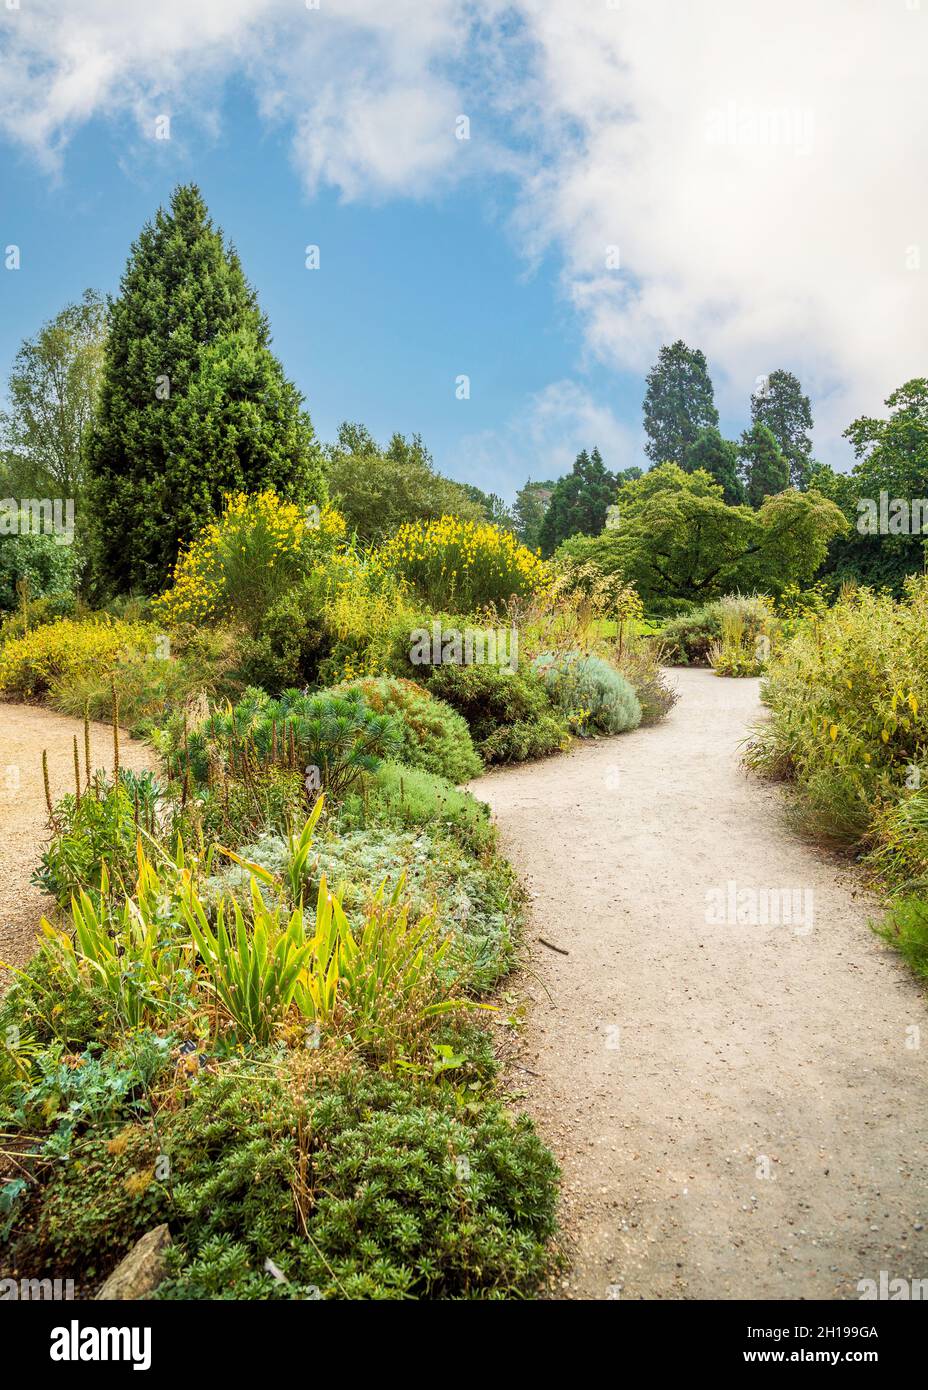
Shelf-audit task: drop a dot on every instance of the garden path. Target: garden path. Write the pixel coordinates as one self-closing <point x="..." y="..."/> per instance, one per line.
<point x="24" y="731"/>
<point x="739" y="1110"/>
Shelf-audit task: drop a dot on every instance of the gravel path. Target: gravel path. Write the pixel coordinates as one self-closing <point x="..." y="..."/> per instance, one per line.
<point x="24" y="731"/>
<point x="739" y="1110"/>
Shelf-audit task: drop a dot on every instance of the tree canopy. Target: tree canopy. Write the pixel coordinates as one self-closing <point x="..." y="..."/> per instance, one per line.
<point x="764" y="467"/>
<point x="679" y="542"/>
<point x="779" y="404"/>
<point x="379" y="488"/>
<point x="52" y="390"/>
<point x="892" y="460"/>
<point x="718" y="457"/>
<point x="529" y="509"/>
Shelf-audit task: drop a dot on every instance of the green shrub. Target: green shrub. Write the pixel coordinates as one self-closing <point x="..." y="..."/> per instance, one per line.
<point x="590" y="692"/>
<point x="406" y="797"/>
<point x="98" y="828"/>
<point x="67" y="1094"/>
<point x="639" y="661"/>
<point x="60" y="651"/>
<point x="848" y="695"/>
<point x="150" y="687"/>
<point x="289" y="645"/>
<point x="338" y="735"/>
<point x="235" y="809"/>
<point x="508" y="712"/>
<point x="687" y="640"/>
<point x="43" y="1006"/>
<point x="464" y="563"/>
<point x="847" y="690"/>
<point x="472" y="902"/>
<point x="434" y="736"/>
<point x="899" y="835"/>
<point x="906" y="928"/>
<point x="36" y="612"/>
<point x="34" y="565"/>
<point x="365" y="1188"/>
<point x="94" y="1208"/>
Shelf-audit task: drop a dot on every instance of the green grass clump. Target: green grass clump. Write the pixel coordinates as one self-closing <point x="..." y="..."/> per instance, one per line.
<point x="407" y="797"/>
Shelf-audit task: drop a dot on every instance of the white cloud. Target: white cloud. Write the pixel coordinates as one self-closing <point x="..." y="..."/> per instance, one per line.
<point x="369" y="89"/>
<point x="542" y="440"/>
<point x="759" y="167"/>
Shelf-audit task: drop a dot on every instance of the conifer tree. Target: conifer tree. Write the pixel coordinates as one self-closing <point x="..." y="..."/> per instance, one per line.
<point x="678" y="403"/>
<point x="193" y="403"/>
<point x="719" y="457"/>
<point x="578" y="503"/>
<point x="765" y="468"/>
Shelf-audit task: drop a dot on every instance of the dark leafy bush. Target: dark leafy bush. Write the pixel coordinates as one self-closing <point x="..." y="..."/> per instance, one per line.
<point x="508" y="712"/>
<point x="287" y="649"/>
<point x="34" y="565"/>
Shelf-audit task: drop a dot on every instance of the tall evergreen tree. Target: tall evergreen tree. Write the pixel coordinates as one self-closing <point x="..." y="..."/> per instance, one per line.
<point x="578" y="503"/>
<point x="678" y="403"/>
<point x="780" y="405"/>
<point x="765" y="468"/>
<point x="719" y="457"/>
<point x="193" y="403"/>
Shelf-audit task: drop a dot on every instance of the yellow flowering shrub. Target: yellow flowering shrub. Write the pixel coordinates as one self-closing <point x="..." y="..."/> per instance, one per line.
<point x="240" y="564"/>
<point x="367" y="610"/>
<point x="70" y="649"/>
<point x="462" y="565"/>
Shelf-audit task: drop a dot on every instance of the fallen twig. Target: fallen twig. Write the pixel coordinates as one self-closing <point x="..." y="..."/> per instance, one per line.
<point x="551" y="947"/>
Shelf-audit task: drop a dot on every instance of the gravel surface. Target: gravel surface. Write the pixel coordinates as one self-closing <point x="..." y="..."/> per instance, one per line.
<point x="24" y="731"/>
<point x="739" y="1108"/>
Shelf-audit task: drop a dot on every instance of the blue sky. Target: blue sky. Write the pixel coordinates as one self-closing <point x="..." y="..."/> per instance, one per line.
<point x="410" y="292"/>
<point x="756" y="176"/>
